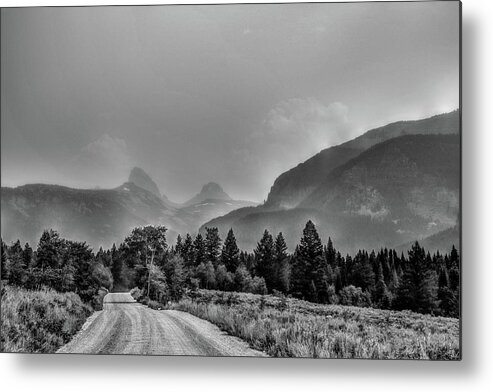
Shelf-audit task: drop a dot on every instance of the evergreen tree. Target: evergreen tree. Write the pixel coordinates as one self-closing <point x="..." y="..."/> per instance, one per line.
<point x="448" y="300"/>
<point x="309" y="276"/>
<point x="175" y="277"/>
<point x="179" y="245"/>
<point x="417" y="288"/>
<point x="382" y="297"/>
<point x="116" y="268"/>
<point x="264" y="259"/>
<point x="230" y="255"/>
<point x="3" y="265"/>
<point x="16" y="268"/>
<point x="282" y="265"/>
<point x="362" y="274"/>
<point x="212" y="245"/>
<point x="187" y="251"/>
<point x="27" y="255"/>
<point x="49" y="255"/>
<point x="199" y="251"/>
<point x="50" y="250"/>
<point x="331" y="254"/>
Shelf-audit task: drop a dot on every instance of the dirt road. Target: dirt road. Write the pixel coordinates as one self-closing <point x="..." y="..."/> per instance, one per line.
<point x="127" y="327"/>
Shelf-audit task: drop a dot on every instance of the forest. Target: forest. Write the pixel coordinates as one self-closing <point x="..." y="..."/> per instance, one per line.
<point x="160" y="273"/>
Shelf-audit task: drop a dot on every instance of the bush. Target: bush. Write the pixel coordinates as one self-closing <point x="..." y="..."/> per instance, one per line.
<point x="354" y="296"/>
<point x="137" y="294"/>
<point x="39" y="321"/>
<point x="303" y="329"/>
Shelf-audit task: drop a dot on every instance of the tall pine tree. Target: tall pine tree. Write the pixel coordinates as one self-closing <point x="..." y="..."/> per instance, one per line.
<point x="230" y="255"/>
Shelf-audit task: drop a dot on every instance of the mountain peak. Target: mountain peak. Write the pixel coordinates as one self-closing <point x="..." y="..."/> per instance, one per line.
<point x="210" y="190"/>
<point x="140" y="178"/>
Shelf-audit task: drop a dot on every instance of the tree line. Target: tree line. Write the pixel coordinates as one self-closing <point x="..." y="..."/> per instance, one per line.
<point x="314" y="272"/>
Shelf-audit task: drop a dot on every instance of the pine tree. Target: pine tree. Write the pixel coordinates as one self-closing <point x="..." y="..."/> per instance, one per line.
<point x="331" y="254"/>
<point x="230" y="255"/>
<point x="281" y="262"/>
<point x="3" y="265"/>
<point x="362" y="274"/>
<point x="199" y="250"/>
<point x="179" y="245"/>
<point x="382" y="297"/>
<point x="117" y="269"/>
<point x="212" y="245"/>
<point x="175" y="276"/>
<point x="16" y="268"/>
<point x="27" y="255"/>
<point x="50" y="249"/>
<point x="187" y="251"/>
<point x="417" y="288"/>
<point x="448" y="300"/>
<point x="264" y="259"/>
<point x="309" y="276"/>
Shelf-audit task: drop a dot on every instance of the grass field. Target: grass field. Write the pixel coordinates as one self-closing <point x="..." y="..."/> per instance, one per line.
<point x="39" y="321"/>
<point x="286" y="327"/>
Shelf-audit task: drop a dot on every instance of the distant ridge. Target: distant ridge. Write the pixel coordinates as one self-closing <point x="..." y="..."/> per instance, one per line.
<point x="210" y="191"/>
<point x="294" y="185"/>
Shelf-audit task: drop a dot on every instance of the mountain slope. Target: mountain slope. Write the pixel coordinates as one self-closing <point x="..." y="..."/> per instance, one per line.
<point x="397" y="191"/>
<point x="415" y="175"/>
<point x="291" y="187"/>
<point x="97" y="216"/>
<point x="140" y="178"/>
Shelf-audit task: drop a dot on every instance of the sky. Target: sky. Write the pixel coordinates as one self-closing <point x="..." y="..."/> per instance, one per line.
<point x="235" y="94"/>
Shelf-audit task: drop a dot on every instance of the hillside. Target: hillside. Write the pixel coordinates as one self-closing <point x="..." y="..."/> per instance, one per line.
<point x="97" y="216"/>
<point x="293" y="186"/>
<point x="102" y="217"/>
<point x="395" y="192"/>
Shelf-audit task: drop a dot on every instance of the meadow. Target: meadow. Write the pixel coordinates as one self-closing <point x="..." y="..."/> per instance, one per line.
<point x="39" y="321"/>
<point x="287" y="327"/>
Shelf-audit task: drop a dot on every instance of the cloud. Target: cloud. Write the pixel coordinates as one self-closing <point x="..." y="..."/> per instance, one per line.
<point x="101" y="162"/>
<point x="291" y="132"/>
<point x="301" y="127"/>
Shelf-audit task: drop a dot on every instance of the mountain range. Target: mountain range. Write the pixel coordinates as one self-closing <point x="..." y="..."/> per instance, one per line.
<point x="387" y="187"/>
<point x="102" y="217"/>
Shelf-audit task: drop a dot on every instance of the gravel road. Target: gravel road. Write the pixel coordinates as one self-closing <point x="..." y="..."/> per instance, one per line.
<point x="127" y="327"/>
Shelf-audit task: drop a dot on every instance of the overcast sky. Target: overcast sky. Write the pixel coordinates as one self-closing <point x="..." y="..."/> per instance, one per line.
<point x="235" y="94"/>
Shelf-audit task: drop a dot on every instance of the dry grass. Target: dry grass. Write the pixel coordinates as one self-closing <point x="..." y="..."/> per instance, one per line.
<point x="285" y="327"/>
<point x="39" y="321"/>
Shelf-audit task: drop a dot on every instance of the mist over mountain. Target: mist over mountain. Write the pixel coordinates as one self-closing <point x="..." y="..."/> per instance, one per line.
<point x="97" y="216"/>
<point x="102" y="217"/>
<point x="140" y="178"/>
<point x="390" y="186"/>
<point x="293" y="186"/>
<point x="210" y="191"/>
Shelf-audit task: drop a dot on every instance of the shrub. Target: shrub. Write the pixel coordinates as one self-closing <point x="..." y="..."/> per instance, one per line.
<point x="39" y="321"/>
<point x="305" y="329"/>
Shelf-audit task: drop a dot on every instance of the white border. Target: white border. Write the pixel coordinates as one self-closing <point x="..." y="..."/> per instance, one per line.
<point x="97" y="373"/>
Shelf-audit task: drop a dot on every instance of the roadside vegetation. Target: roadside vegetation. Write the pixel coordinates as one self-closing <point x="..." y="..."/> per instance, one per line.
<point x="359" y="297"/>
<point x="39" y="321"/>
<point x="47" y="293"/>
<point x="287" y="327"/>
